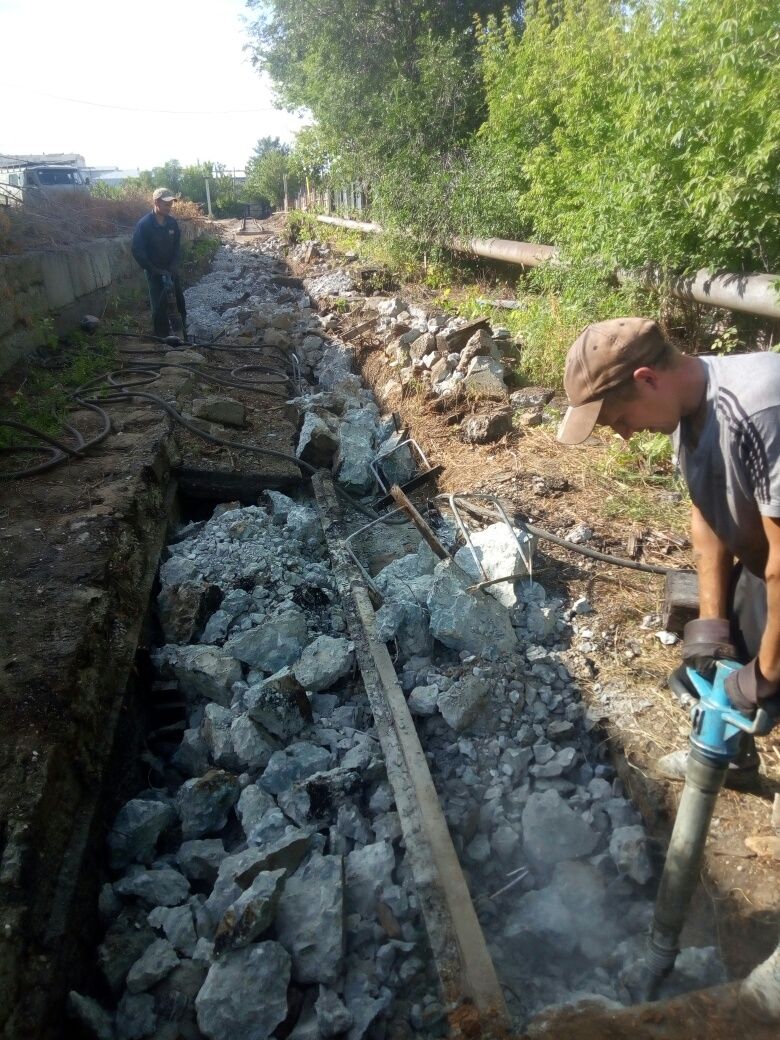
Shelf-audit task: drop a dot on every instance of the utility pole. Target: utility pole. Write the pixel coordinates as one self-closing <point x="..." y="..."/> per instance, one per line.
<point x="284" y="183"/>
<point x="208" y="198"/>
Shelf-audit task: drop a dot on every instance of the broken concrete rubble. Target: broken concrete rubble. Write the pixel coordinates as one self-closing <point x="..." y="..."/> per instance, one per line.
<point x="280" y="787"/>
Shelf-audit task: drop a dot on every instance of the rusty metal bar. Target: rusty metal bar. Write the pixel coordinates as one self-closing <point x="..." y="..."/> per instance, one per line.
<point x="419" y="522"/>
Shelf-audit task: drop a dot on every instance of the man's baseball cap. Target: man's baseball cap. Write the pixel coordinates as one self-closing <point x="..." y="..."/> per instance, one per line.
<point x="605" y="355"/>
<point x="164" y="195"/>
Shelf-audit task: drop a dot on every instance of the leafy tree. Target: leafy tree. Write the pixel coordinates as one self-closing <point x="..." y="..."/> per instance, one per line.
<point x="641" y="133"/>
<point x="266" y="174"/>
<point x="384" y="79"/>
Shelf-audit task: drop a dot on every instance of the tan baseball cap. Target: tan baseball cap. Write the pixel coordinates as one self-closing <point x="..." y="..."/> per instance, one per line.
<point x="605" y="355"/>
<point x="164" y="195"/>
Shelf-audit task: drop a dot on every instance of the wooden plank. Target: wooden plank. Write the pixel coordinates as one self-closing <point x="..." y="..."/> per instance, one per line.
<point x="465" y="969"/>
<point x="364" y="326"/>
<point x="681" y="600"/>
<point x="456" y="339"/>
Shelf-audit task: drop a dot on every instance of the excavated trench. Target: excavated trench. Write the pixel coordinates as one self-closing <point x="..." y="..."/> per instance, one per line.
<point x="350" y="796"/>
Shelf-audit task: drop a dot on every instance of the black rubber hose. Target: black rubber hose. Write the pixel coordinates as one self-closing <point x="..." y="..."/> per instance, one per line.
<point x="60" y="453"/>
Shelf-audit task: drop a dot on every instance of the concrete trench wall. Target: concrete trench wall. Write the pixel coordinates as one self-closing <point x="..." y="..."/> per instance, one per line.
<point x="61" y="284"/>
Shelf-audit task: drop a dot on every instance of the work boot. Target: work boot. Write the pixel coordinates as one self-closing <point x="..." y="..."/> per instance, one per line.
<point x="759" y="994"/>
<point x="741" y="775"/>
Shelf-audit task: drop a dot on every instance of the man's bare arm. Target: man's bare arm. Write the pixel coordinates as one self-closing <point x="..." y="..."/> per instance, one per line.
<point x="714" y="564"/>
<point x="769" y="652"/>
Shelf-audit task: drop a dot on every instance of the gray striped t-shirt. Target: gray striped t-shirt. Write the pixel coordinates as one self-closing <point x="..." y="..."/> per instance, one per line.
<point x="733" y="472"/>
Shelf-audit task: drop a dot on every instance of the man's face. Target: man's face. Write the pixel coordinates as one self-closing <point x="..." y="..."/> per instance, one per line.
<point x="162" y="207"/>
<point x="650" y="407"/>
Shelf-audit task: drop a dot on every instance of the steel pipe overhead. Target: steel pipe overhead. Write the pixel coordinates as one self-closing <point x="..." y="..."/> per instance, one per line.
<point x="527" y="254"/>
<point x="750" y="293"/>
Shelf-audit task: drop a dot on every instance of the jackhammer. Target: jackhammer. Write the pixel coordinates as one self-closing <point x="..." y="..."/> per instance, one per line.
<point x="177" y="317"/>
<point x="716" y="731"/>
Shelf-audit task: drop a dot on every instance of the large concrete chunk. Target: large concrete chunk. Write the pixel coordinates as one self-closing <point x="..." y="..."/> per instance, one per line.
<point x="251" y="914"/>
<point x="157" y="961"/>
<point x="462" y="621"/>
<point x="310" y="920"/>
<point x="292" y="763"/>
<point x="202" y="671"/>
<point x="553" y="832"/>
<point x="183" y="610"/>
<point x="463" y="702"/>
<point x="485" y="378"/>
<point x="279" y="704"/>
<point x="405" y="623"/>
<point x="484" y="429"/>
<point x="498" y="551"/>
<point x="163" y="887"/>
<point x="252" y="750"/>
<point x="324" y="661"/>
<point x="369" y="873"/>
<point x="396" y="460"/>
<point x="204" y="803"/>
<point x="199" y="859"/>
<point x="274" y="644"/>
<point x="223" y="410"/>
<point x="317" y="443"/>
<point x="137" y="827"/>
<point x="353" y="459"/>
<point x="628" y="849"/>
<point x="244" y="996"/>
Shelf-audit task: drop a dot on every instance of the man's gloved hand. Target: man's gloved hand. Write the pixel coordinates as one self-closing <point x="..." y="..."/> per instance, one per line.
<point x="706" y="641"/>
<point x="747" y="689"/>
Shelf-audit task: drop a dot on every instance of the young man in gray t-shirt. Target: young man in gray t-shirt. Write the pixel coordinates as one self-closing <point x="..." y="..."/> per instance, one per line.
<point x="724" y="417"/>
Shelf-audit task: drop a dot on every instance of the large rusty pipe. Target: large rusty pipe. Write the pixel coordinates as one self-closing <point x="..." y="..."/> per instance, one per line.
<point x="527" y="254"/>
<point x="750" y="293"/>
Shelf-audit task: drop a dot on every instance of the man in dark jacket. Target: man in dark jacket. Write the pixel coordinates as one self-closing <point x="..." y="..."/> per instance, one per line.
<point x="157" y="249"/>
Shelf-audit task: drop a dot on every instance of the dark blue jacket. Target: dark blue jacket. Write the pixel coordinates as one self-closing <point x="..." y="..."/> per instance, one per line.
<point x="156" y="247"/>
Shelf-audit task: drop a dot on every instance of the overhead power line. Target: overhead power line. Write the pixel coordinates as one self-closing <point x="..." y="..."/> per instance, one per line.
<point x="150" y="111"/>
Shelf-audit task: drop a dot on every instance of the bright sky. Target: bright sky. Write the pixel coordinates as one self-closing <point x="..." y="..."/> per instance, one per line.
<point x="69" y="73"/>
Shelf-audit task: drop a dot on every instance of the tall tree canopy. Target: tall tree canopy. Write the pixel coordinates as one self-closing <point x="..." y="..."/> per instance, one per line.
<point x="380" y="77"/>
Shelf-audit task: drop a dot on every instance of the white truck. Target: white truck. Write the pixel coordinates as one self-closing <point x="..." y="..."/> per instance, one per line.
<point x="24" y="183"/>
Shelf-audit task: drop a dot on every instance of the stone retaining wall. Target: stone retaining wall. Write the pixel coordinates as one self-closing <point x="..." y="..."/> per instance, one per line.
<point x="62" y="284"/>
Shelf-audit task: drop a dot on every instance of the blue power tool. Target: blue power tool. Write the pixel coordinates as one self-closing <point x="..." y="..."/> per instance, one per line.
<point x="716" y="731"/>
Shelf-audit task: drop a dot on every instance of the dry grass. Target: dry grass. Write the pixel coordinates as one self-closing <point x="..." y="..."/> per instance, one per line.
<point x="68" y="220"/>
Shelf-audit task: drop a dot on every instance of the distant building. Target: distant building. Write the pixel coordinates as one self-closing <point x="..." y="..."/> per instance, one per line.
<point x="112" y="176"/>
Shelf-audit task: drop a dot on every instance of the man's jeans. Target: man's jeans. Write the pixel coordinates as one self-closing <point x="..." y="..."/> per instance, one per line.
<point x="158" y="301"/>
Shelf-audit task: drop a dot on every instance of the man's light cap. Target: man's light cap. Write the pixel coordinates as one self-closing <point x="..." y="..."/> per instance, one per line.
<point x="603" y="357"/>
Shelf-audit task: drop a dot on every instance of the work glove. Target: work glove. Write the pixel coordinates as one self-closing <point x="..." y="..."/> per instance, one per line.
<point x="705" y="641"/>
<point x="748" y="690"/>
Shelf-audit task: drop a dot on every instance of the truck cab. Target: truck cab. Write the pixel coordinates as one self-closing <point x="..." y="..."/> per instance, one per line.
<point x="23" y="184"/>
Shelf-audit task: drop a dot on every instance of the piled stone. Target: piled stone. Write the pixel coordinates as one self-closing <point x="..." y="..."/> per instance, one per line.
<point x="261" y="879"/>
<point x="559" y="865"/>
<point x="260" y="884"/>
